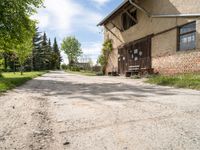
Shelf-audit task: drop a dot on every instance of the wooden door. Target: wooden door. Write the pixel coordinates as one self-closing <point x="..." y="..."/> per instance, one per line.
<point x="122" y="64"/>
<point x="140" y="53"/>
<point x="137" y="53"/>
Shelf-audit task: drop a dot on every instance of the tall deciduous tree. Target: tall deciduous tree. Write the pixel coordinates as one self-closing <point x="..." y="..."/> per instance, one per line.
<point x="24" y="49"/>
<point x="72" y="47"/>
<point x="23" y="52"/>
<point x="14" y="20"/>
<point x="15" y="17"/>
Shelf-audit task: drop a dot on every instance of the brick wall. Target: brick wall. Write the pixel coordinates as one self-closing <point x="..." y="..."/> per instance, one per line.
<point x="182" y="62"/>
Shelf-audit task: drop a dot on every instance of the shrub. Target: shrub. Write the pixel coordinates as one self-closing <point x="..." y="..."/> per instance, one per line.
<point x="99" y="73"/>
<point x="64" y="66"/>
<point x="74" y="68"/>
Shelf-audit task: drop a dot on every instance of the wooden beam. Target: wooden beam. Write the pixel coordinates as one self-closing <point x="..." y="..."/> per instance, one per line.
<point x="114" y="34"/>
<point x="116" y="26"/>
<point x="131" y="16"/>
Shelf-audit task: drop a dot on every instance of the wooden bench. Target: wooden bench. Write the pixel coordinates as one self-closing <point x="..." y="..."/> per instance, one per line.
<point x="133" y="70"/>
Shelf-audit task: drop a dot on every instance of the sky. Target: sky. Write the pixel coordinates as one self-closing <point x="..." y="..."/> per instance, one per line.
<point x="79" y="18"/>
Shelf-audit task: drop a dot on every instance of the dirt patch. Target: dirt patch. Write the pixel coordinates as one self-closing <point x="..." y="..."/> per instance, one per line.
<point x="42" y="135"/>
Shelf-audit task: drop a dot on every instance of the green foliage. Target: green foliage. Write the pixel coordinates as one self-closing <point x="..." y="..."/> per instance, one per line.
<point x="45" y="57"/>
<point x="36" y="52"/>
<point x="82" y="72"/>
<point x="191" y="81"/>
<point x="11" y="80"/>
<point x="75" y="68"/>
<point x="64" y="67"/>
<point x="72" y="47"/>
<point x="106" y="50"/>
<point x="24" y="49"/>
<point x="15" y="17"/>
<point x="56" y="55"/>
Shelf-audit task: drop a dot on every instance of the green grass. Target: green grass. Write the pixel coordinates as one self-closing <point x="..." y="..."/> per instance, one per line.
<point x="82" y="72"/>
<point x="10" y="80"/>
<point x="191" y="81"/>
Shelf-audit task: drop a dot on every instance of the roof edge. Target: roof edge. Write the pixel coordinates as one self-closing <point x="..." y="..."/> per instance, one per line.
<point x="112" y="13"/>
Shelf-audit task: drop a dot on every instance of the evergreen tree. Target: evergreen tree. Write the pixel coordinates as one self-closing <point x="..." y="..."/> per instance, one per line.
<point x="57" y="54"/>
<point x="51" y="53"/>
<point x="44" y="53"/>
<point x="36" y="53"/>
<point x="45" y="57"/>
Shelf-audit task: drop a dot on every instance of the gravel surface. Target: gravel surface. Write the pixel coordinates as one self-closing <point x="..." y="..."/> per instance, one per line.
<point x="61" y="111"/>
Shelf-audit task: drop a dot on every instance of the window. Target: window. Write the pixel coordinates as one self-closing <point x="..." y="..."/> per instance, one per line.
<point x="187" y="37"/>
<point x="129" y="19"/>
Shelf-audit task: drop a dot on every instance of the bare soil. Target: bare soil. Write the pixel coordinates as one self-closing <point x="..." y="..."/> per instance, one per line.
<point x="61" y="111"/>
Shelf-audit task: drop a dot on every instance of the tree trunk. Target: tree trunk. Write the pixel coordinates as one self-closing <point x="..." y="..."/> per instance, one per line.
<point x="0" y="71"/>
<point x="21" y="69"/>
<point x="14" y="67"/>
<point x="5" y="62"/>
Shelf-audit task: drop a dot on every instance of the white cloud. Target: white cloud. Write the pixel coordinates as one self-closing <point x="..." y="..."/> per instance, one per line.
<point x="101" y="2"/>
<point x="62" y="16"/>
<point x="65" y="17"/>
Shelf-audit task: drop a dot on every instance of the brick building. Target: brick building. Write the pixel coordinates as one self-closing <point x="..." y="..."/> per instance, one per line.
<point x="159" y="34"/>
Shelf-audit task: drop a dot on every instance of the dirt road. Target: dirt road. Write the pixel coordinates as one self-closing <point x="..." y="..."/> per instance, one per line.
<point x="61" y="111"/>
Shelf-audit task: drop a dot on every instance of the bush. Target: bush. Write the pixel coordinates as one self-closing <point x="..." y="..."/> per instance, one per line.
<point x="64" y="66"/>
<point x="74" y="68"/>
<point x="100" y="74"/>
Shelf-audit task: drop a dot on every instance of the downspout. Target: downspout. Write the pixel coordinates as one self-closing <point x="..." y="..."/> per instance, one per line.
<point x="163" y="15"/>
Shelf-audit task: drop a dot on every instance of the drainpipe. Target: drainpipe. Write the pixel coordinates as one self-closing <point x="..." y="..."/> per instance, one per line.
<point x="163" y="15"/>
<point x="176" y="16"/>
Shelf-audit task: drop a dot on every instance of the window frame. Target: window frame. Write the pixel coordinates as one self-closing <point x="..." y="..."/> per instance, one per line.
<point x="187" y="33"/>
<point x="122" y="19"/>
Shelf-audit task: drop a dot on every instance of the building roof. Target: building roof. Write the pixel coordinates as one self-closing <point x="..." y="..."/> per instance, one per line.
<point x="113" y="13"/>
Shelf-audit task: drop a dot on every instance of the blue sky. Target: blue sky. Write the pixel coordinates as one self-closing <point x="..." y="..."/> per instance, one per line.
<point x="61" y="18"/>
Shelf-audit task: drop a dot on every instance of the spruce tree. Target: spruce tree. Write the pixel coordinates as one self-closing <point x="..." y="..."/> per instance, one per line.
<point x="51" y="55"/>
<point x="44" y="53"/>
<point x="57" y="54"/>
<point x="36" y="53"/>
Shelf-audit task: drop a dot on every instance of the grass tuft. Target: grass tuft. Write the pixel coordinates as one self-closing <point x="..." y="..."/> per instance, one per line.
<point x="191" y="81"/>
<point x="10" y="80"/>
<point x="82" y="72"/>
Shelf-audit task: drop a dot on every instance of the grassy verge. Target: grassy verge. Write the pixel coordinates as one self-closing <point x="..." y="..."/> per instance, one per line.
<point x="191" y="81"/>
<point x="10" y="80"/>
<point x="82" y="72"/>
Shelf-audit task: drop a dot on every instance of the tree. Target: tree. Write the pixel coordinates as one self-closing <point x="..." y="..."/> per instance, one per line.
<point x="57" y="56"/>
<point x="103" y="58"/>
<point x="24" y="49"/>
<point x="14" y="20"/>
<point x="50" y="49"/>
<point x="15" y="17"/>
<point x="44" y="53"/>
<point x="36" y="58"/>
<point x="23" y="52"/>
<point x="72" y="48"/>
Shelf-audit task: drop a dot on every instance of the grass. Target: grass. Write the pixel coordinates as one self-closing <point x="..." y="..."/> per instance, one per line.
<point x="191" y="81"/>
<point x="82" y="72"/>
<point x="10" y="80"/>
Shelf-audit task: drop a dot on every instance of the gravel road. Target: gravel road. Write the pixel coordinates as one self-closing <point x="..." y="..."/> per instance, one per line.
<point x="61" y="111"/>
